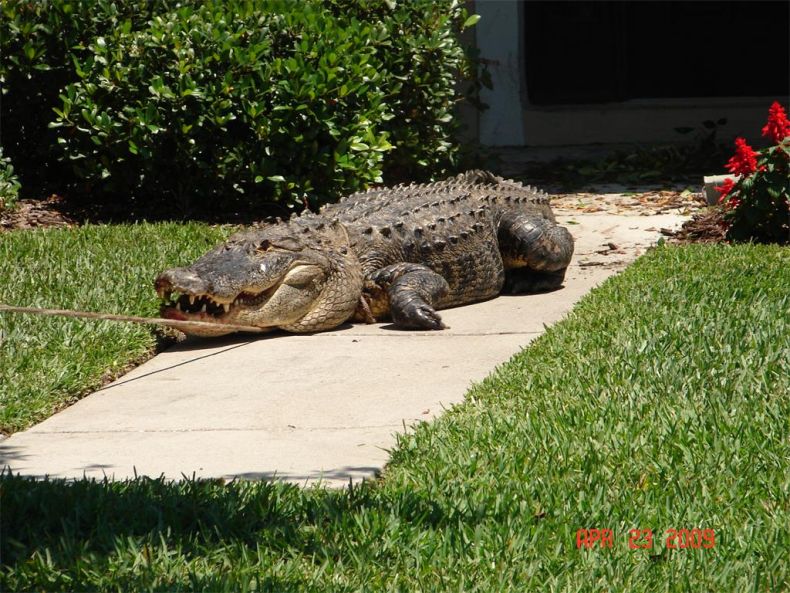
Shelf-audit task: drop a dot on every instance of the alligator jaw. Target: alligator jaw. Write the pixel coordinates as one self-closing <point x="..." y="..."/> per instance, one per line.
<point x="192" y="307"/>
<point x="203" y="307"/>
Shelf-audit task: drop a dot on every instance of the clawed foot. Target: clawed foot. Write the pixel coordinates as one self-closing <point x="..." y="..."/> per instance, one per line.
<point x="418" y="315"/>
<point x="413" y="289"/>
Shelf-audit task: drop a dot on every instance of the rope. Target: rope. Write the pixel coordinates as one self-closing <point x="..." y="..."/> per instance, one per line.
<point x="175" y="323"/>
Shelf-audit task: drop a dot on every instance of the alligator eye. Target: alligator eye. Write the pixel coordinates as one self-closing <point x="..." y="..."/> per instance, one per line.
<point x="264" y="245"/>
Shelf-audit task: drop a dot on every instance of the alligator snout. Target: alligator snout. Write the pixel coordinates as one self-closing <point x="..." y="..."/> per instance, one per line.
<point x="181" y="279"/>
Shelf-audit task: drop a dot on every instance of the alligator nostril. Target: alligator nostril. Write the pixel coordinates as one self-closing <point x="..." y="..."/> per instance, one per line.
<point x="163" y="282"/>
<point x="181" y="279"/>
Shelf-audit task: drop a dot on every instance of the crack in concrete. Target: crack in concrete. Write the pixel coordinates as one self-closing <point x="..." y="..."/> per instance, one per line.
<point x="437" y="334"/>
<point x="287" y="429"/>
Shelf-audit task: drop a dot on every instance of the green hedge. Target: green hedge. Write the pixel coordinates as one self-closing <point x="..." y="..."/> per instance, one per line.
<point x="196" y="101"/>
<point x="39" y="44"/>
<point x="9" y="183"/>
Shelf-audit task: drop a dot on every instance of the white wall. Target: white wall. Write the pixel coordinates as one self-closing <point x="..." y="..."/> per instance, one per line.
<point x="498" y="37"/>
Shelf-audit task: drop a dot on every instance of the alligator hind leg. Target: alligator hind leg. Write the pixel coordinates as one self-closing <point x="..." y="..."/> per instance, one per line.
<point x="536" y="252"/>
<point x="414" y="290"/>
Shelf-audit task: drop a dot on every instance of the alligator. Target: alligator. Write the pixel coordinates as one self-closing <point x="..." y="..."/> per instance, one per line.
<point x="398" y="253"/>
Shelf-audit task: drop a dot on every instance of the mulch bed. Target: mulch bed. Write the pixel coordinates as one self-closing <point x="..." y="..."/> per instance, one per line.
<point x="59" y="211"/>
<point x="31" y="214"/>
<point x="704" y="227"/>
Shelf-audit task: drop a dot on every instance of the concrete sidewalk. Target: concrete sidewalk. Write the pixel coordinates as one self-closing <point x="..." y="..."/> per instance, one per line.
<point x="306" y="408"/>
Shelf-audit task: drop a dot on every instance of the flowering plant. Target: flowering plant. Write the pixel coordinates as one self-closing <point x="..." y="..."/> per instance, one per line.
<point x="757" y="202"/>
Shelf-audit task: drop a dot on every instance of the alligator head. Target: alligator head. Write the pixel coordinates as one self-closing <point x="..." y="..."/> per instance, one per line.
<point x="299" y="279"/>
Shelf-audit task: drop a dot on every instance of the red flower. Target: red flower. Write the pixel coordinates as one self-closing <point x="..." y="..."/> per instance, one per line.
<point x="778" y="126"/>
<point x="729" y="202"/>
<point x="724" y="189"/>
<point x="744" y="162"/>
<point x="732" y="203"/>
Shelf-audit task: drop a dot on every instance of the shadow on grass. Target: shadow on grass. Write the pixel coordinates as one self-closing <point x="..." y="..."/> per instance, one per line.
<point x="69" y="520"/>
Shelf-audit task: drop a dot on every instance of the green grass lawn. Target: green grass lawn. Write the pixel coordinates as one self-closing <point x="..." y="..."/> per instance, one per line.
<point x="662" y="402"/>
<point x="47" y="363"/>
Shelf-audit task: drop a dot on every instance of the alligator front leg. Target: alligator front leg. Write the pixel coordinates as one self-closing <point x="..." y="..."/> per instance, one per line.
<point x="535" y="251"/>
<point x="527" y="281"/>
<point x="413" y="290"/>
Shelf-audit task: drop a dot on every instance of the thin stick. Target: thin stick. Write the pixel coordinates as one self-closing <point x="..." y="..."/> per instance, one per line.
<point x="176" y="323"/>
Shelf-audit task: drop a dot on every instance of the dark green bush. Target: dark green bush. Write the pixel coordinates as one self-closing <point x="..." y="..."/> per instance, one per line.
<point x="9" y="183"/>
<point x="205" y="101"/>
<point x="274" y="100"/>
<point x="423" y="59"/>
<point x="39" y="42"/>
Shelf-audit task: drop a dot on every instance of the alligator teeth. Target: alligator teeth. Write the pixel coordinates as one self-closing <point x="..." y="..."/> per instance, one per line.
<point x="191" y="299"/>
<point x="178" y="306"/>
<point x="225" y="307"/>
<point x="203" y="309"/>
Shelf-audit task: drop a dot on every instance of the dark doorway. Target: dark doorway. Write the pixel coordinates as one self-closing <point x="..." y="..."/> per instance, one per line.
<point x="595" y="52"/>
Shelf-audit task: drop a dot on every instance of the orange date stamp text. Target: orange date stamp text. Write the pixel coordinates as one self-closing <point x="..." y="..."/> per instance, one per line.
<point x="643" y="539"/>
